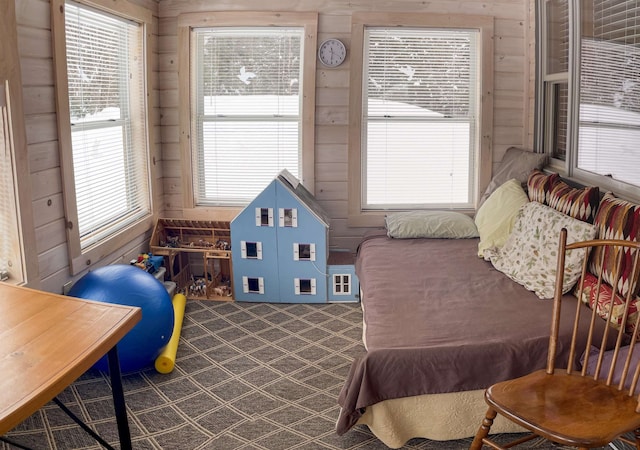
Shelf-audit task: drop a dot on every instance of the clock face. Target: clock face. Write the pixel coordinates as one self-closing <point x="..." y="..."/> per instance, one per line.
<point x="332" y="52"/>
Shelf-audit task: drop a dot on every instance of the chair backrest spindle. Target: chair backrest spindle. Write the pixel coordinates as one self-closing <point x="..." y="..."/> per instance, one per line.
<point x="612" y="300"/>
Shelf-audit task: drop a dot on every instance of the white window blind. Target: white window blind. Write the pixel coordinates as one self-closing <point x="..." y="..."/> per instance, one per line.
<point x="247" y="110"/>
<point x="420" y="117"/>
<point x="10" y="255"/>
<point x="609" y="128"/>
<point x="105" y="69"/>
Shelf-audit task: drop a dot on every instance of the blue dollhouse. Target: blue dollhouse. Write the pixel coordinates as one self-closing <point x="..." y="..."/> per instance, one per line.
<point x="280" y="249"/>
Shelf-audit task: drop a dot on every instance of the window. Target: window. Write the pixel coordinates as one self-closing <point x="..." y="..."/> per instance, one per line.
<point x="18" y="253"/>
<point x="251" y="250"/>
<point x="264" y="217"/>
<point x="10" y="254"/>
<point x="304" y="286"/>
<point x="591" y="90"/>
<point x="304" y="252"/>
<point x="253" y="285"/>
<point x="103" y="127"/>
<point x="342" y="284"/>
<point x="288" y="217"/>
<point x="418" y="144"/>
<point x="556" y="77"/>
<point x="251" y="92"/>
<point x="419" y="117"/>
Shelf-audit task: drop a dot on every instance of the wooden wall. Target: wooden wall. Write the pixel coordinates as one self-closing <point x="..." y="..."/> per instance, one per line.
<point x="513" y="115"/>
<point x="36" y="60"/>
<point x="513" y="96"/>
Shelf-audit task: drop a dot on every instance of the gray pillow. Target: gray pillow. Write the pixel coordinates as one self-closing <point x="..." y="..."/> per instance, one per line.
<point x="430" y="224"/>
<point x="516" y="163"/>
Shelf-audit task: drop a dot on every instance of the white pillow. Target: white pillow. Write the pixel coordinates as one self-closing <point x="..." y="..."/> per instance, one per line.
<point x="495" y="217"/>
<point x="430" y="224"/>
<point x="529" y="256"/>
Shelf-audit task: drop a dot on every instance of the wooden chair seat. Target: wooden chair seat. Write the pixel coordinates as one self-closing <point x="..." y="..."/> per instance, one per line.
<point x="566" y="408"/>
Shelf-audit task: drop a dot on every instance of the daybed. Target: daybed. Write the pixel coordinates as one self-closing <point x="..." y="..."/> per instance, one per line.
<point x="441" y="324"/>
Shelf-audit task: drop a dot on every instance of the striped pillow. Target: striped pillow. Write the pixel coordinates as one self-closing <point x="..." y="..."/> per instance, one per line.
<point x="580" y="204"/>
<point x="617" y="219"/>
<point x="539" y="184"/>
<point x="604" y="295"/>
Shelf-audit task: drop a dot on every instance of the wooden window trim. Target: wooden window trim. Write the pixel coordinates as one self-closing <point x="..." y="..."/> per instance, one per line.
<point x="187" y="21"/>
<point x="357" y="217"/>
<point x="10" y="71"/>
<point x="80" y="260"/>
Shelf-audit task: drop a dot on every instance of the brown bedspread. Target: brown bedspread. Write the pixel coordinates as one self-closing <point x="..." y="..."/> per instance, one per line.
<point x="439" y="319"/>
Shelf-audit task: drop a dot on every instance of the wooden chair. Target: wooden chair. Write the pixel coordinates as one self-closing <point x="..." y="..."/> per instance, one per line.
<point x="570" y="406"/>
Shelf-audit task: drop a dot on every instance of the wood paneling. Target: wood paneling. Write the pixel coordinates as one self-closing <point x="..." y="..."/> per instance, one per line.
<point x="33" y="19"/>
<point x="513" y="102"/>
<point x="512" y="62"/>
<point x="26" y="270"/>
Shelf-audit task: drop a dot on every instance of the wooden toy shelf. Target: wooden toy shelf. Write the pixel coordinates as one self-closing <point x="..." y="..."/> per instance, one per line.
<point x="178" y="239"/>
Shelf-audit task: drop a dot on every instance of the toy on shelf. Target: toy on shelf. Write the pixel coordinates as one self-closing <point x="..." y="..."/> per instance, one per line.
<point x="198" y="287"/>
<point x="197" y="255"/>
<point x="148" y="262"/>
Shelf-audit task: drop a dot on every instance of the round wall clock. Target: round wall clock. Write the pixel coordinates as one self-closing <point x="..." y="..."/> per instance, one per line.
<point x="332" y="52"/>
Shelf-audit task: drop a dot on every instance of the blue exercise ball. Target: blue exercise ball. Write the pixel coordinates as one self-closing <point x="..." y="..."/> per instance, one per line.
<point x="132" y="286"/>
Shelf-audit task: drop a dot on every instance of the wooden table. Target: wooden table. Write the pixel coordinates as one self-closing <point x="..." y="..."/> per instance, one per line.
<point x="47" y="341"/>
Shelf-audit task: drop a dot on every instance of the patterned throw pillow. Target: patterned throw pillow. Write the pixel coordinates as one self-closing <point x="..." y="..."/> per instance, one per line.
<point x="617" y="219"/>
<point x="539" y="184"/>
<point x="590" y="293"/>
<point x="581" y="204"/>
<point x="529" y="256"/>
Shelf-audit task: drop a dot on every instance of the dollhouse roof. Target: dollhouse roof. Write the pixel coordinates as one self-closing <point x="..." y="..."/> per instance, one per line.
<point x="305" y="197"/>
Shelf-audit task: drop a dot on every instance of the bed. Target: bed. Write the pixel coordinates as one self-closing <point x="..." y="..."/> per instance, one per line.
<point x="439" y="326"/>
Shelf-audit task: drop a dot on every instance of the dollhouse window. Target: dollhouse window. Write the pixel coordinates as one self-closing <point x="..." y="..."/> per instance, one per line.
<point x="305" y="286"/>
<point x="288" y="217"/>
<point x="264" y="217"/>
<point x="251" y="250"/>
<point x="304" y="252"/>
<point x="342" y="284"/>
<point x="254" y="285"/>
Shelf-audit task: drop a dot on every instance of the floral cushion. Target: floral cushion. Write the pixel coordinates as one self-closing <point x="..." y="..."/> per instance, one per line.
<point x="530" y="253"/>
<point x="539" y="184"/>
<point x="617" y="219"/>
<point x="578" y="203"/>
<point x="590" y="295"/>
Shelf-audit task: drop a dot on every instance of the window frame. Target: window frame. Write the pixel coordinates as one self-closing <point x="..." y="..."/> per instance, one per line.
<point x="357" y="216"/>
<point x="11" y="84"/>
<point x="80" y="259"/>
<point x="186" y="23"/>
<point x="546" y="106"/>
<point x="546" y="84"/>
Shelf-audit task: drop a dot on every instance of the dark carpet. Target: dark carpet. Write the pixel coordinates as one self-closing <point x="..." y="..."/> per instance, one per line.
<point x="247" y="376"/>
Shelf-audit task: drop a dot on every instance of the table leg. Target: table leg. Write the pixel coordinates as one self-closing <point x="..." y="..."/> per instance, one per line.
<point x="118" y="399"/>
